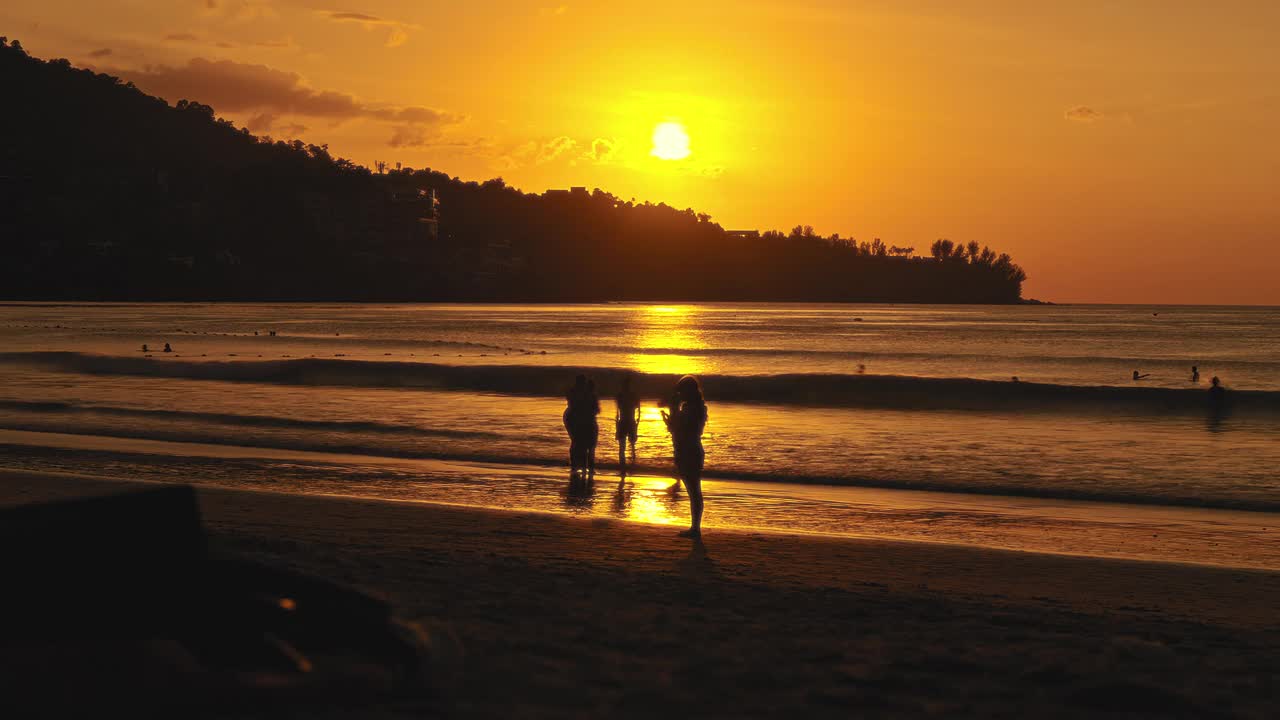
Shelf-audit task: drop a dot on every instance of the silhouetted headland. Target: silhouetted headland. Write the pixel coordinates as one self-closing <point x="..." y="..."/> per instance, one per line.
<point x="116" y="195"/>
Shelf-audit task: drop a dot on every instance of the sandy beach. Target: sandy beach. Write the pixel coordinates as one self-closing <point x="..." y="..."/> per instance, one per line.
<point x="590" y="617"/>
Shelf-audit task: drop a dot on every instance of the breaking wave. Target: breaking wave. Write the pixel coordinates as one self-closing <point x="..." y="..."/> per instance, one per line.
<point x="801" y="389"/>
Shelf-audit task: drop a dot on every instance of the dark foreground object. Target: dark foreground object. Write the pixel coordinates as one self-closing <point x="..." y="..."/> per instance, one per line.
<point x="568" y="618"/>
<point x="115" y="603"/>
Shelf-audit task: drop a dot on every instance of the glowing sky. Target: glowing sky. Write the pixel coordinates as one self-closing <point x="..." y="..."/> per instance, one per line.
<point x="1121" y="151"/>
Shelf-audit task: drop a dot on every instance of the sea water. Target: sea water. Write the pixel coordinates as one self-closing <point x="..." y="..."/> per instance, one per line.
<point x="817" y="412"/>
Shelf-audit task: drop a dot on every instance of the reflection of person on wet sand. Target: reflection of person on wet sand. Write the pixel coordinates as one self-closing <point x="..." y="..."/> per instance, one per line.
<point x="686" y="420"/>
<point x="627" y="422"/>
<point x="581" y="492"/>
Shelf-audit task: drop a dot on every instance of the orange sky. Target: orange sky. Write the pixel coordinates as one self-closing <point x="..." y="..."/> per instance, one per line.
<point x="1120" y="151"/>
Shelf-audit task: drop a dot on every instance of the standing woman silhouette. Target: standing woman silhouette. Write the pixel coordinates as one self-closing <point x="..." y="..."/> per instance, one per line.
<point x="686" y="421"/>
<point x="575" y="411"/>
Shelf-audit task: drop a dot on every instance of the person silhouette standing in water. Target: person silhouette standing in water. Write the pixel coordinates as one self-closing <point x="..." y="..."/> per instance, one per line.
<point x="590" y="427"/>
<point x="580" y="422"/>
<point x="686" y="421"/>
<point x="627" y="423"/>
<point x="1217" y="393"/>
<point x="575" y="402"/>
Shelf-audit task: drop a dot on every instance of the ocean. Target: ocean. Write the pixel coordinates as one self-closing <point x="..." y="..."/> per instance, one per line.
<point x="896" y="420"/>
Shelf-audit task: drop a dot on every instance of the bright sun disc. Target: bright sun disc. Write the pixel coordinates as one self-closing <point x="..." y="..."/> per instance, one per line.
<point x="670" y="141"/>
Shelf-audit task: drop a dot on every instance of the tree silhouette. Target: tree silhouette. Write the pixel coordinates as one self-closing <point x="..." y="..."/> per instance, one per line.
<point x="109" y="193"/>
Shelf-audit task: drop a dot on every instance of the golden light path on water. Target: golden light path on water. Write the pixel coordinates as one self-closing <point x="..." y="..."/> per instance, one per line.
<point x="668" y="327"/>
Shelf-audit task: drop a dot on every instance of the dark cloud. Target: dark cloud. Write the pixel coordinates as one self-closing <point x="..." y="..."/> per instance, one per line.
<point x="100" y="53"/>
<point x="398" y="32"/>
<point x="416" y="114"/>
<point x="1084" y="114"/>
<point x="358" y="17"/>
<point x="240" y="87"/>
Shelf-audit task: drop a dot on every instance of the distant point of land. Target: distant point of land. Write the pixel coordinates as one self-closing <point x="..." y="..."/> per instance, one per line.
<point x="116" y="195"/>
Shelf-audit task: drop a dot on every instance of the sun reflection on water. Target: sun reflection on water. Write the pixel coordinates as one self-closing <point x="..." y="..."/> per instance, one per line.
<point x="649" y="500"/>
<point x="668" y="327"/>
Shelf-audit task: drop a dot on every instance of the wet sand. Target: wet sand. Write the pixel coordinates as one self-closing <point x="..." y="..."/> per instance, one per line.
<point x="586" y="617"/>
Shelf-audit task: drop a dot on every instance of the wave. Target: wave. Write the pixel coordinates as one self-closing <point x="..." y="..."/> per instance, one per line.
<point x="326" y="450"/>
<point x="1007" y="360"/>
<point x="802" y="389"/>
<point x="238" y="420"/>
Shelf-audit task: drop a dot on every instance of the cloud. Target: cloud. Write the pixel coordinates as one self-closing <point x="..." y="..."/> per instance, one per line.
<point x="417" y="136"/>
<point x="267" y="122"/>
<point x="241" y="10"/>
<point x="100" y="53"/>
<point x="602" y="150"/>
<point x="557" y="10"/>
<point x="1084" y="114"/>
<point x="518" y="156"/>
<point x="358" y="17"/>
<point x="537" y="152"/>
<point x="397" y="31"/>
<point x="261" y="122"/>
<point x="413" y="136"/>
<point x="268" y="93"/>
<point x="554" y="148"/>
<point x="284" y="42"/>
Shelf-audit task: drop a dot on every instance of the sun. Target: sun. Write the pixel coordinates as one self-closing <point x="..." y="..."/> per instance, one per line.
<point x="670" y="141"/>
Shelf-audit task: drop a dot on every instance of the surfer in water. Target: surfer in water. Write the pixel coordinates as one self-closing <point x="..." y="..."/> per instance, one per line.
<point x="1143" y="376"/>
